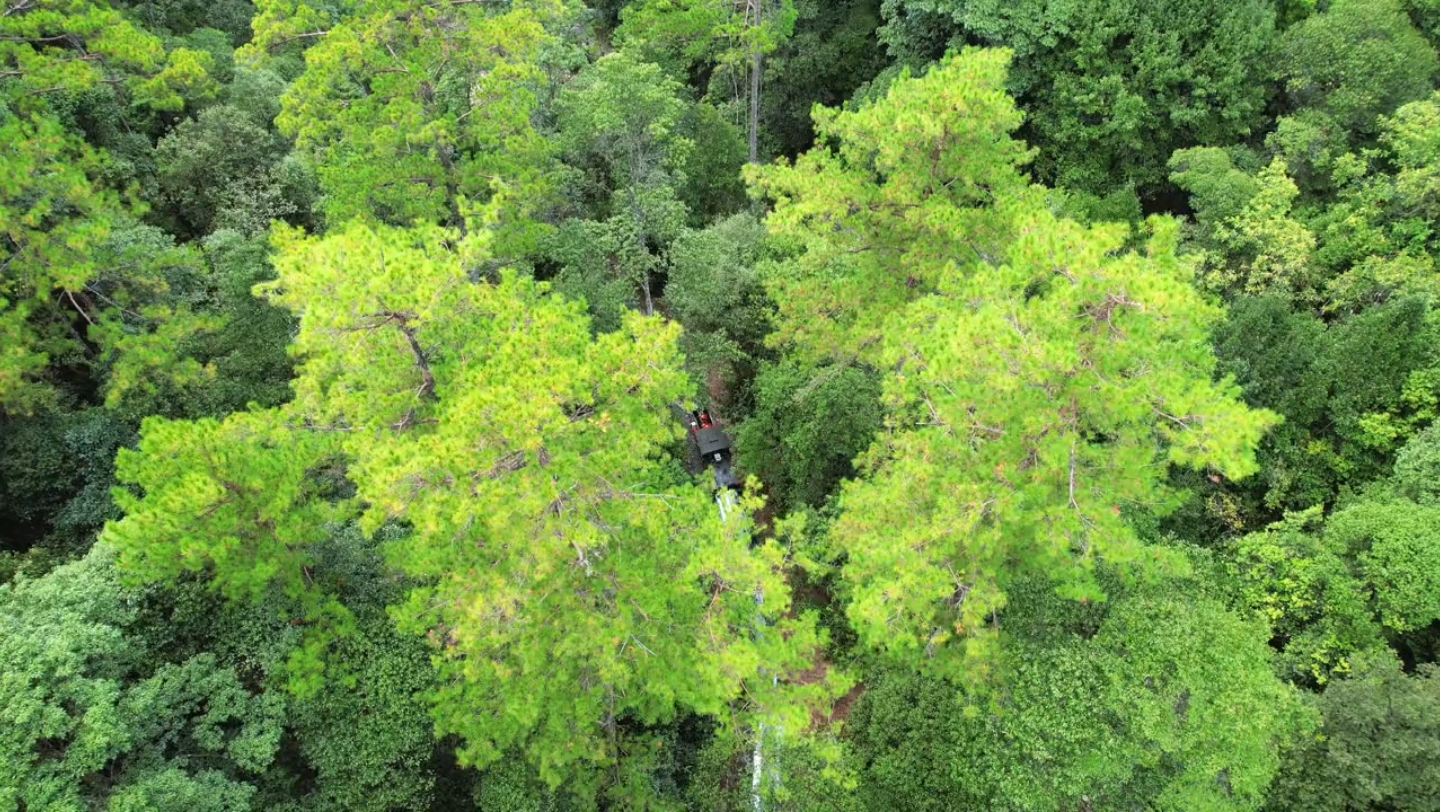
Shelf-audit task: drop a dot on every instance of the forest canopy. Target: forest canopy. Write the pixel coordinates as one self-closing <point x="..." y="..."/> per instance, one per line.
<point x="860" y="405"/>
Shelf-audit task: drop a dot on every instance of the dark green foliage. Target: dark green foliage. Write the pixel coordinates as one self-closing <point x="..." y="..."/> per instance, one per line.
<point x="1378" y="747"/>
<point x="1130" y="704"/>
<point x="219" y="169"/>
<point x="55" y="477"/>
<point x="833" y="52"/>
<point x="248" y="353"/>
<point x="714" y="291"/>
<point x="808" y="427"/>
<point x="713" y="188"/>
<point x="1358" y="60"/>
<point x="1333" y="385"/>
<point x="182" y="17"/>
<point x="1111" y="89"/>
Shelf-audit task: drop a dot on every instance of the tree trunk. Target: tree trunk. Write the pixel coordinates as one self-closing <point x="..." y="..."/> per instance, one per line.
<point x="757" y="63"/>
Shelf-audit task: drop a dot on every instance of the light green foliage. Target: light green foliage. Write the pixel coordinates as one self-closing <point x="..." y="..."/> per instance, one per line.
<point x="1378" y="748"/>
<point x="1031" y="402"/>
<point x="86" y="717"/>
<point x="52" y="219"/>
<point x="919" y="182"/>
<point x="1358" y="60"/>
<point x="48" y="46"/>
<point x="1159" y="700"/>
<point x="396" y="524"/>
<point x="1301" y="584"/>
<point x="1397" y="548"/>
<point x="807" y="428"/>
<point x="1259" y="245"/>
<point x="54" y="214"/>
<point x="1219" y="191"/>
<point x="239" y="499"/>
<point x="1034" y="392"/>
<point x="570" y="580"/>
<point x="1278" y="249"/>
<point x="412" y="110"/>
<point x="234" y="497"/>
<point x="1377" y="238"/>
<point x="1110" y="89"/>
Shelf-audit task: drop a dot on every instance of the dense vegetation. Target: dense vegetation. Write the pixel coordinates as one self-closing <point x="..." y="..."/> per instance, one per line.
<point x="1083" y="360"/>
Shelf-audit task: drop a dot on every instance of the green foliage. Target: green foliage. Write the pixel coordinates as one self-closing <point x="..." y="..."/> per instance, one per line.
<point x="371" y="742"/>
<point x="239" y="500"/>
<point x="714" y="289"/>
<point x="180" y="17"/>
<point x="1377" y="747"/>
<point x="524" y="458"/>
<point x="807" y="428"/>
<point x="390" y="524"/>
<point x="832" y="52"/>
<point x="85" y="716"/>
<point x="1129" y="704"/>
<point x="56" y="46"/>
<point x="1021" y="421"/>
<point x="1110" y="89"/>
<point x="1358" y="60"/>
<point x="1255" y="244"/>
<point x="1302" y="585"/>
<point x="620" y="122"/>
<point x="56" y="473"/>
<point x="1397" y="547"/>
<point x="407" y="120"/>
<point x="1350" y="393"/>
<point x="917" y="184"/>
<point x="53" y="219"/>
<point x="232" y="496"/>
<point x="216" y="164"/>
<point x="1034" y="390"/>
<point x="713" y="187"/>
<point x="682" y="34"/>
<point x="1417" y="468"/>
